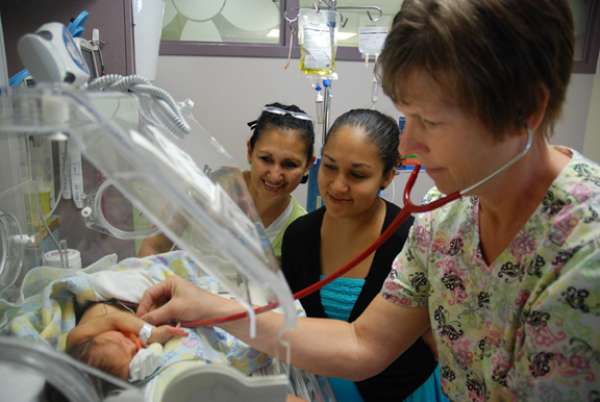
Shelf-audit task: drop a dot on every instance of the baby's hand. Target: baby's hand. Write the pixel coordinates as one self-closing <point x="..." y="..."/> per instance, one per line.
<point x="164" y="333"/>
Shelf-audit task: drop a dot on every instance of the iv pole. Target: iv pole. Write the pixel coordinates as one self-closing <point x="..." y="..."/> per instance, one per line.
<point x="332" y="5"/>
<point x="313" y="191"/>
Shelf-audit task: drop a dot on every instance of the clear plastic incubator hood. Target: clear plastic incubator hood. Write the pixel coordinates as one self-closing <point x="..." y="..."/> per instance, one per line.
<point x="84" y="177"/>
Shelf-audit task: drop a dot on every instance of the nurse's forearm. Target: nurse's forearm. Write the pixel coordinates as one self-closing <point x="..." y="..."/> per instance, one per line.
<point x="322" y="346"/>
<point x="336" y="348"/>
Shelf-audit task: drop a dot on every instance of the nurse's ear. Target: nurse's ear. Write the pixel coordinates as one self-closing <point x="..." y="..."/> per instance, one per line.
<point x="535" y="119"/>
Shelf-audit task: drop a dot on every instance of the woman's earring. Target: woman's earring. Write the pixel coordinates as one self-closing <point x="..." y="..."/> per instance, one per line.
<point x="304" y="179"/>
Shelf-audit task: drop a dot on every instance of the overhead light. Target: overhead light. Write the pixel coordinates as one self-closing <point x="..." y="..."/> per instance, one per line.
<point x="273" y="33"/>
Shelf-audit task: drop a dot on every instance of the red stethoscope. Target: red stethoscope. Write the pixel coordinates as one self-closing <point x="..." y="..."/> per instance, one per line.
<point x="408" y="209"/>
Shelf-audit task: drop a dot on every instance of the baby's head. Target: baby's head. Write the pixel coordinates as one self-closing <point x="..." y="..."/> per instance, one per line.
<point x="110" y="351"/>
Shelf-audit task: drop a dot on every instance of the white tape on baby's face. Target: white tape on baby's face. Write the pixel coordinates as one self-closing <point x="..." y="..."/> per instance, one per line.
<point x="145" y="362"/>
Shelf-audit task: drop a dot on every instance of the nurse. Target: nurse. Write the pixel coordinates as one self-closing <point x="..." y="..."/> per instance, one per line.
<point x="280" y="152"/>
<point x="359" y="156"/>
<point x="507" y="277"/>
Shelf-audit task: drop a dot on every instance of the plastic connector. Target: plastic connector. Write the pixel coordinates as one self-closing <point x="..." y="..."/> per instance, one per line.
<point x="86" y="212"/>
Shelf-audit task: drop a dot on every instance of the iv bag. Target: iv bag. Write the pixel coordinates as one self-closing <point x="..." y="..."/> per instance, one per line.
<point x="371" y="39"/>
<point x="317" y="39"/>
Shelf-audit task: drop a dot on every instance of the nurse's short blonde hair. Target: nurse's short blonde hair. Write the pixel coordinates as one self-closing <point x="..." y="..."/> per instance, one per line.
<point x="495" y="58"/>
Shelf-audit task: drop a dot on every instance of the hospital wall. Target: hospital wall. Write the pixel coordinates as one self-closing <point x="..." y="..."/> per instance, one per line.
<point x="229" y="91"/>
<point x="591" y="144"/>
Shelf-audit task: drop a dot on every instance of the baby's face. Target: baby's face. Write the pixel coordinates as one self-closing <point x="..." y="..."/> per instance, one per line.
<point x="112" y="351"/>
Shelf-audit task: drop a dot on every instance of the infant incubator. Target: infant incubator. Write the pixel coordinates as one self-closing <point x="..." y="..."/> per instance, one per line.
<point x="84" y="177"/>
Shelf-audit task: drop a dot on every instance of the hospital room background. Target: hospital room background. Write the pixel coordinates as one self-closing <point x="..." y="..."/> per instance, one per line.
<point x="229" y="91"/>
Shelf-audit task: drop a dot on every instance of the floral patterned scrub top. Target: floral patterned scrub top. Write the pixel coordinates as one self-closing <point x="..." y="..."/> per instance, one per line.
<point x="528" y="326"/>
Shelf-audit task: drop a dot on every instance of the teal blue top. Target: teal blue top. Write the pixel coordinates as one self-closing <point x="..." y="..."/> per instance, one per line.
<point x="339" y="296"/>
<point x="338" y="299"/>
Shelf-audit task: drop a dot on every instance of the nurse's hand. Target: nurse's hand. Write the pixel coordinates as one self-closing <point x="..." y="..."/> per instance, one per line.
<point x="175" y="300"/>
<point x="165" y="333"/>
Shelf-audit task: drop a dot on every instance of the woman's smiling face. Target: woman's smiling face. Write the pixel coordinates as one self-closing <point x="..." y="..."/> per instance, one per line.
<point x="278" y="161"/>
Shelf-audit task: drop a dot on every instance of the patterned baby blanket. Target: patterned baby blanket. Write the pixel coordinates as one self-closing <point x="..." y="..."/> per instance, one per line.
<point x="45" y="311"/>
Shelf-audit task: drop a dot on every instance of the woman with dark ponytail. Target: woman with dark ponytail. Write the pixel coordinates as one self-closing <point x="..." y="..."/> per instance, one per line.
<point x="359" y="156"/>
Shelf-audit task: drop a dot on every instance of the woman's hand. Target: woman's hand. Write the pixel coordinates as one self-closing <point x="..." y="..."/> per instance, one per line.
<point x="176" y="299"/>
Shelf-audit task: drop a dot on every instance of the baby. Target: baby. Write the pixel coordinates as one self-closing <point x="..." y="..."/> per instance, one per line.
<point x="109" y="338"/>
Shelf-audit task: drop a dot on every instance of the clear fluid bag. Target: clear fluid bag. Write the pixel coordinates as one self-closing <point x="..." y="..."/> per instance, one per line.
<point x="317" y="39"/>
